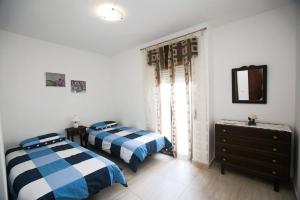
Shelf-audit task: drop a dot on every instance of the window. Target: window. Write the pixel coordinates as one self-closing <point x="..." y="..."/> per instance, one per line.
<point x="181" y="114"/>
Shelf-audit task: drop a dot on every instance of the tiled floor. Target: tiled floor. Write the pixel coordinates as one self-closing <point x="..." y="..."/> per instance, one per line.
<point x="161" y="177"/>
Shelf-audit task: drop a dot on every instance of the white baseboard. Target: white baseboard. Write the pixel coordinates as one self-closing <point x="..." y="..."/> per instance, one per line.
<point x="295" y="190"/>
<point x="200" y="164"/>
<point x="211" y="161"/>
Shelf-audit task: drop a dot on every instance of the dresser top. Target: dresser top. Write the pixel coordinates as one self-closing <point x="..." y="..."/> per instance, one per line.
<point x="275" y="127"/>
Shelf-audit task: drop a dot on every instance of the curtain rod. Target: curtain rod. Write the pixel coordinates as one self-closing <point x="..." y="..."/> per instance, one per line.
<point x="202" y="29"/>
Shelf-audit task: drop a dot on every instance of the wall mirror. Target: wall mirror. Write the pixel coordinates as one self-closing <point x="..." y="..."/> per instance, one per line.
<point x="249" y="84"/>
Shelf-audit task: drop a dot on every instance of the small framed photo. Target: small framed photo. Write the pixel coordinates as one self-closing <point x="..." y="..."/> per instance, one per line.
<point x="78" y="86"/>
<point x="55" y="80"/>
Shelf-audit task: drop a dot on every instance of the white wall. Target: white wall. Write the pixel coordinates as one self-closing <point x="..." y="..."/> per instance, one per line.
<point x="297" y="114"/>
<point x="128" y="89"/>
<point x="28" y="107"/>
<point x="268" y="38"/>
<point x="3" y="183"/>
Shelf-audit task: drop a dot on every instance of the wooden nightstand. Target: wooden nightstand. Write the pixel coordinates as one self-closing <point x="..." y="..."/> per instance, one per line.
<point x="81" y="131"/>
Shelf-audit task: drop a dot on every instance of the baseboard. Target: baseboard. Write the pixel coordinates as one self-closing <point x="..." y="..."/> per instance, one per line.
<point x="203" y="165"/>
<point x="200" y="164"/>
<point x="211" y="161"/>
<point x="295" y="191"/>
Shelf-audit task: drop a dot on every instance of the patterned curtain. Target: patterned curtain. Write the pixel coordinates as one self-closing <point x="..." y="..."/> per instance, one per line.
<point x="167" y="58"/>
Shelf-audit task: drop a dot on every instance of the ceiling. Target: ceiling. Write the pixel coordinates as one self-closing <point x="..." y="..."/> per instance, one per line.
<point x="74" y="22"/>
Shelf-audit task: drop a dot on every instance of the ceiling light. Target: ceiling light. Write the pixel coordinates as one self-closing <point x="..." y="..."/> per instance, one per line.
<point x="110" y="13"/>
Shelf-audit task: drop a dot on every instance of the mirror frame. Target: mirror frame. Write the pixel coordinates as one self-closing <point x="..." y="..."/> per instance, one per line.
<point x="234" y="84"/>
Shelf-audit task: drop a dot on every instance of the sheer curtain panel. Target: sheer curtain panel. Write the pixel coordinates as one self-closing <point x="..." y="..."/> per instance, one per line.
<point x="176" y="94"/>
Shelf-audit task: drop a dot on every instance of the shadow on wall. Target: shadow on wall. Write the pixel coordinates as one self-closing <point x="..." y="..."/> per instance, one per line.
<point x="297" y="113"/>
<point x="3" y="188"/>
<point x="296" y="163"/>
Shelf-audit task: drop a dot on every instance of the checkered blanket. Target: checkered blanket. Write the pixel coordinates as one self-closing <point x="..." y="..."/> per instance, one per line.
<point x="130" y="144"/>
<point x="62" y="170"/>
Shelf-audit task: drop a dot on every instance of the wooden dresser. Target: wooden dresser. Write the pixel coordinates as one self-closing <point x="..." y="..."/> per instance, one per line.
<point x="263" y="150"/>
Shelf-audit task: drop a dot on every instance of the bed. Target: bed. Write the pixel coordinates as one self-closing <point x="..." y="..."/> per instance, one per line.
<point x="130" y="144"/>
<point x="62" y="170"/>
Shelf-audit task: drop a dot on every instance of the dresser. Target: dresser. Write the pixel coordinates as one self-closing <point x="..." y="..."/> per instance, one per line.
<point x="263" y="150"/>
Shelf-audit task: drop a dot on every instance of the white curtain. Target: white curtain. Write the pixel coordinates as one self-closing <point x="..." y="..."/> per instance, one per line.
<point x="151" y="96"/>
<point x="200" y="96"/>
<point x="199" y="100"/>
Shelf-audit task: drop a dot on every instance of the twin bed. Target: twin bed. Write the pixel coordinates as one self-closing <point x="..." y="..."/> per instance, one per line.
<point x="62" y="169"/>
<point x="130" y="144"/>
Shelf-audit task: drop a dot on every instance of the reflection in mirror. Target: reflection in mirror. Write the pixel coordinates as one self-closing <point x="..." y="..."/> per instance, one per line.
<point x="243" y="86"/>
<point x="249" y="84"/>
<point x="255" y="84"/>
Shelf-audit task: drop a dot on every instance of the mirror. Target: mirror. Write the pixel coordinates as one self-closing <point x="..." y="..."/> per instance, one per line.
<point x="249" y="84"/>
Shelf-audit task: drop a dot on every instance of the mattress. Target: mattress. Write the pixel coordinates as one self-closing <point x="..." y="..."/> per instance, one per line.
<point x="130" y="144"/>
<point x="62" y="170"/>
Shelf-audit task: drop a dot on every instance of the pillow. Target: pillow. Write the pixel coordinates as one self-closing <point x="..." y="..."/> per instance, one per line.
<point x="103" y="125"/>
<point x="42" y="140"/>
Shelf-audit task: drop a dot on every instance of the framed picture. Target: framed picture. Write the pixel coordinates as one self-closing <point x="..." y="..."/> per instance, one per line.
<point x="78" y="86"/>
<point x="55" y="80"/>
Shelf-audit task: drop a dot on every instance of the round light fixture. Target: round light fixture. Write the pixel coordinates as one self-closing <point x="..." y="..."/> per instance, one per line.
<point x="110" y="13"/>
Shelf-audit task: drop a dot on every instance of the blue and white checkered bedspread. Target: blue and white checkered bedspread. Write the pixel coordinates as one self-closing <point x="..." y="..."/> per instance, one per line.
<point x="130" y="144"/>
<point x="62" y="170"/>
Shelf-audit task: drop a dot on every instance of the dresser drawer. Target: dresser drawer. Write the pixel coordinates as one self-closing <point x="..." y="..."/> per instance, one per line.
<point x="255" y="133"/>
<point x="268" y="158"/>
<point x="257" y="145"/>
<point x="275" y="171"/>
<point x="263" y="150"/>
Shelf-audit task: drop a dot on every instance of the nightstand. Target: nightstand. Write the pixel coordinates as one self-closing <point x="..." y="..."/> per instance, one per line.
<point x="81" y="131"/>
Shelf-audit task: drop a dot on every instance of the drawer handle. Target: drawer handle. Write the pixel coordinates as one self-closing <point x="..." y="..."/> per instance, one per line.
<point x="224" y="130"/>
<point x="224" y="159"/>
<point x="274" y="161"/>
<point x="274" y="172"/>
<point x="274" y="149"/>
<point x="224" y="140"/>
<point x="275" y="137"/>
<point x="224" y="150"/>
